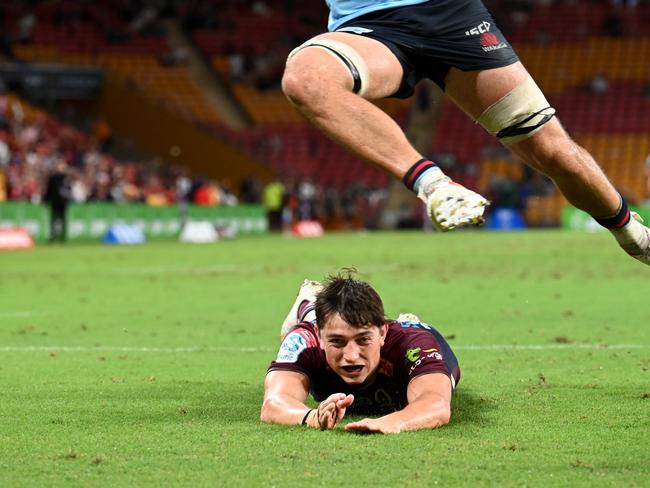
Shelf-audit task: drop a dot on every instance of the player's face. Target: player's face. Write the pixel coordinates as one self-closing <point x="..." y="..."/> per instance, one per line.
<point x="352" y="352"/>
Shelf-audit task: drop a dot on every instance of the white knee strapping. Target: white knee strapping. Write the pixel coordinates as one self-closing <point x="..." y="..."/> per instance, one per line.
<point x="346" y="55"/>
<point x="518" y="115"/>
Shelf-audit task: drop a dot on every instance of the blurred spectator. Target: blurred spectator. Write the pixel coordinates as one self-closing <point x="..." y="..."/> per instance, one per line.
<point x="57" y="196"/>
<point x="101" y="190"/>
<point x="237" y="66"/>
<point x="646" y="169"/>
<point x="78" y="188"/>
<point x="26" y="25"/>
<point x="306" y="196"/>
<point x="31" y="146"/>
<point x="183" y="188"/>
<point x="103" y="134"/>
<point x="503" y="193"/>
<point x="226" y="195"/>
<point x="272" y="199"/>
<point x="7" y="46"/>
<point x="183" y="185"/>
<point x="599" y="83"/>
<point x="5" y="151"/>
<point x="155" y="193"/>
<point x="206" y="195"/>
<point x="261" y="8"/>
<point x="176" y="57"/>
<point x="289" y="205"/>
<point x="145" y="19"/>
<point x="251" y="191"/>
<point x="3" y="185"/>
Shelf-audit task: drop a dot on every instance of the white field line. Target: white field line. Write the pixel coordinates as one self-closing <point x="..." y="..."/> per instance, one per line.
<point x="235" y="268"/>
<point x="20" y="314"/>
<point x="533" y="347"/>
<point x="312" y="272"/>
<point x="172" y="269"/>
<point x="181" y="350"/>
<point x="266" y="349"/>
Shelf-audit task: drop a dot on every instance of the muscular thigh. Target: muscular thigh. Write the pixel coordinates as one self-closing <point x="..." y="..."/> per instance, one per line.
<point x="474" y="91"/>
<point x="384" y="69"/>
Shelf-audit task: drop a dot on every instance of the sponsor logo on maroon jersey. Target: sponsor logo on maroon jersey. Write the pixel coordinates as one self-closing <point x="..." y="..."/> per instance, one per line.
<point x="294" y="344"/>
<point x="413" y="354"/>
<point x="430" y="354"/>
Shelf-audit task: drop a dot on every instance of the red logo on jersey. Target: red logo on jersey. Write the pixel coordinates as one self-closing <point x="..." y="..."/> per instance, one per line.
<point x="488" y="39"/>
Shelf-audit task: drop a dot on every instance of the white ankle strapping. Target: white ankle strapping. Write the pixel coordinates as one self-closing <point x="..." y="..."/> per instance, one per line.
<point x="426" y="183"/>
<point x="633" y="236"/>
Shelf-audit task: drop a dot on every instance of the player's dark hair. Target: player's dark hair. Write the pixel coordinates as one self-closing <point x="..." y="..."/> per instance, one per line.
<point x="355" y="301"/>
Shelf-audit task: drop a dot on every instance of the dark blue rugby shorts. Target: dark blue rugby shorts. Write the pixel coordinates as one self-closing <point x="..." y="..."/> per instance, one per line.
<point x="449" y="357"/>
<point x="430" y="38"/>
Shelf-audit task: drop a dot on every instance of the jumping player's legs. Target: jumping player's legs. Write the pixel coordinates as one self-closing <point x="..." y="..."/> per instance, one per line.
<point x="551" y="151"/>
<point x="323" y="89"/>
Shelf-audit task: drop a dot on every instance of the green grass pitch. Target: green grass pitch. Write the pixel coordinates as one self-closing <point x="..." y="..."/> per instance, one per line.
<point x="143" y="366"/>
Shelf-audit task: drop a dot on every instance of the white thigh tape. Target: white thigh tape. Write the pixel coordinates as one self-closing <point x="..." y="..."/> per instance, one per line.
<point x="518" y="115"/>
<point x="346" y="55"/>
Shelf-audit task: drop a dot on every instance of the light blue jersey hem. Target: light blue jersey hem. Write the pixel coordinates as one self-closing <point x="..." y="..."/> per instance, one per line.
<point x="336" y="23"/>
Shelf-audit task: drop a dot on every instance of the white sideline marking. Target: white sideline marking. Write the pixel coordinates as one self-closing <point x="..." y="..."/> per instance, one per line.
<point x="265" y="349"/>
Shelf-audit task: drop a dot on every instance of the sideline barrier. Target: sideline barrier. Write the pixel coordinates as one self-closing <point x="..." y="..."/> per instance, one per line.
<point x="91" y="221"/>
<point x="199" y="232"/>
<point x="35" y="219"/>
<point x="505" y="219"/>
<point x="307" y="228"/>
<point x="16" y="238"/>
<point x="121" y="234"/>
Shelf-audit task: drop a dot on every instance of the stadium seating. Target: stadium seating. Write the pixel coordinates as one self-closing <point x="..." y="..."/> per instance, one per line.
<point x="565" y="46"/>
<point x="570" y="38"/>
<point x="35" y="140"/>
<point x="171" y="86"/>
<point x="622" y="157"/>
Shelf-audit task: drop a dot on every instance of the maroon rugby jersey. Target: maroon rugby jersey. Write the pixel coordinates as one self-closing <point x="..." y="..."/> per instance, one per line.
<point x="410" y="349"/>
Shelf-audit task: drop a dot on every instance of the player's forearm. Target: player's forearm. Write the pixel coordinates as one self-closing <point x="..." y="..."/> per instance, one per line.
<point x="424" y="413"/>
<point x="283" y="410"/>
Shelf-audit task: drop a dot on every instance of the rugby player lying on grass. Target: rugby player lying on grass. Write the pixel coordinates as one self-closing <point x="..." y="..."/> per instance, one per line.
<point x="338" y="345"/>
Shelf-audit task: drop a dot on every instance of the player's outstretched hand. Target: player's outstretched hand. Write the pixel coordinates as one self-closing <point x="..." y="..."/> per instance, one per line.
<point x="372" y="426"/>
<point x="332" y="410"/>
